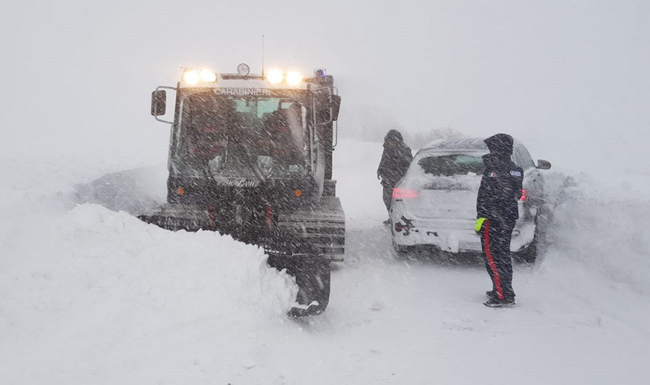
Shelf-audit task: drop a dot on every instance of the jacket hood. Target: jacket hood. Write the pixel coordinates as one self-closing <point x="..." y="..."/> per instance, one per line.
<point x="500" y="144"/>
<point x="394" y="135"/>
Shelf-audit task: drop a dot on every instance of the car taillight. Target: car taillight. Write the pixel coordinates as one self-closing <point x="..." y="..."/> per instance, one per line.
<point x="524" y="195"/>
<point x="404" y="193"/>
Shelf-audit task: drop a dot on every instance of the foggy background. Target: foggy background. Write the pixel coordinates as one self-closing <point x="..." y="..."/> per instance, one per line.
<point x="568" y="78"/>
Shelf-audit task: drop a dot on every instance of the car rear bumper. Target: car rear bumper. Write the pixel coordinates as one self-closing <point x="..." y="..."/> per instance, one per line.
<point x="451" y="235"/>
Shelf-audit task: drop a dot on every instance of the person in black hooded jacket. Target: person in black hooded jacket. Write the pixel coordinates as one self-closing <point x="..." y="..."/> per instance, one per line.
<point x="395" y="160"/>
<point x="497" y="211"/>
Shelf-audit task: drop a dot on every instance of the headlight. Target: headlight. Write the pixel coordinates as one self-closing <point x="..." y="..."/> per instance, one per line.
<point x="275" y="76"/>
<point x="294" y="78"/>
<point x="191" y="77"/>
<point x="208" y="76"/>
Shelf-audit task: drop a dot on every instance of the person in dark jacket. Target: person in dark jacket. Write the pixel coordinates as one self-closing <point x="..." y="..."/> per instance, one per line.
<point x="395" y="160"/>
<point x="497" y="212"/>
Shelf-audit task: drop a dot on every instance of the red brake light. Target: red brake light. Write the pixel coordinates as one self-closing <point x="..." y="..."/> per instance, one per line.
<point x="404" y="193"/>
<point x="524" y="195"/>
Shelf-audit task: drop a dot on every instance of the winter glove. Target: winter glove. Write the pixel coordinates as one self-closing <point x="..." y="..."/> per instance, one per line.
<point x="479" y="225"/>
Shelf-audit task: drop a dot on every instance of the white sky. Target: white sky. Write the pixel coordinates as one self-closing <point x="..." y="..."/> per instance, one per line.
<point x="562" y="76"/>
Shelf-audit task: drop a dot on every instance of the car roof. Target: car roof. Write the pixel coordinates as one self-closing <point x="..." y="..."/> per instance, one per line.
<point x="466" y="144"/>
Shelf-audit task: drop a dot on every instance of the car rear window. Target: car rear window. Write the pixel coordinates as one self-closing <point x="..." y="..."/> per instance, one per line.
<point x="450" y="165"/>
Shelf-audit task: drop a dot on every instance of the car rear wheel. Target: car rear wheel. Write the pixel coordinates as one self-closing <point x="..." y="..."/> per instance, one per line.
<point x="400" y="249"/>
<point x="529" y="253"/>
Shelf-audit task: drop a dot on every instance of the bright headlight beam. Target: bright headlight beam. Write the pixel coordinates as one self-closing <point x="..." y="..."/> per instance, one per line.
<point x="294" y="78"/>
<point x="275" y="76"/>
<point x="191" y="77"/>
<point x="208" y="76"/>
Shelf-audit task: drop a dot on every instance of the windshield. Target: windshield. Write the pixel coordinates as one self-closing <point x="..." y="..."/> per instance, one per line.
<point x="241" y="136"/>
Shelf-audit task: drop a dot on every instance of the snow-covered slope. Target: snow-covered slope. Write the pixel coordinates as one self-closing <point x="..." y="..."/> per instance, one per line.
<point x="89" y="294"/>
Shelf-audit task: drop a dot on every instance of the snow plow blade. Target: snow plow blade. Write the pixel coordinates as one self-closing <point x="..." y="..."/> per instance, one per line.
<point x="180" y="217"/>
<point x="318" y="229"/>
<point x="321" y="227"/>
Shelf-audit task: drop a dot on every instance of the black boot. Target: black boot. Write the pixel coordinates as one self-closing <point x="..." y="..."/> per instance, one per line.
<point x="496" y="302"/>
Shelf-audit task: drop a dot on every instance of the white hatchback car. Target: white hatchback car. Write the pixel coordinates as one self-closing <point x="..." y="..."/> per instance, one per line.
<point x="434" y="205"/>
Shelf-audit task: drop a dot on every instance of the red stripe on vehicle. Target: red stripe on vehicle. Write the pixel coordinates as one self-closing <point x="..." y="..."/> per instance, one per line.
<point x="213" y="224"/>
<point x="269" y="217"/>
<point x="488" y="254"/>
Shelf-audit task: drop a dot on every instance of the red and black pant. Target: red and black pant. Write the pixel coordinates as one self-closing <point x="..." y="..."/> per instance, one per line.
<point x="495" y="240"/>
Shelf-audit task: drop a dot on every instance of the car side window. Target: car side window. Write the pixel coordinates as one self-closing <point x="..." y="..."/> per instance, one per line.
<point x="523" y="158"/>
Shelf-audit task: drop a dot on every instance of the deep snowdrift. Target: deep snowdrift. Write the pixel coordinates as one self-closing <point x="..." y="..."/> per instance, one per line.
<point x="92" y="295"/>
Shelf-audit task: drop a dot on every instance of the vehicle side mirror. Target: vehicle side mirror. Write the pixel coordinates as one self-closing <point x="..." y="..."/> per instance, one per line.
<point x="543" y="164"/>
<point x="328" y="110"/>
<point x="336" y="106"/>
<point x="158" y="102"/>
<point x="323" y="106"/>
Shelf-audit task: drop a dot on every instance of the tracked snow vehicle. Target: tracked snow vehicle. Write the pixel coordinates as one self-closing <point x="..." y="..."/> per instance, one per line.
<point x="251" y="156"/>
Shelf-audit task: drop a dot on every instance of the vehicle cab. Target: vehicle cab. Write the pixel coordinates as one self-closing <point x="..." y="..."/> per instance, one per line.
<point x="254" y="132"/>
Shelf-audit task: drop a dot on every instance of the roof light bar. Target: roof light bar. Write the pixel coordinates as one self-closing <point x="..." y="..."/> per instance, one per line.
<point x="193" y="77"/>
<point x="208" y="76"/>
<point x="294" y="78"/>
<point x="275" y="76"/>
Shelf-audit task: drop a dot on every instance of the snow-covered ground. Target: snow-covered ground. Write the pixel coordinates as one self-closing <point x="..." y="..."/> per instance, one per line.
<point x="91" y="295"/>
